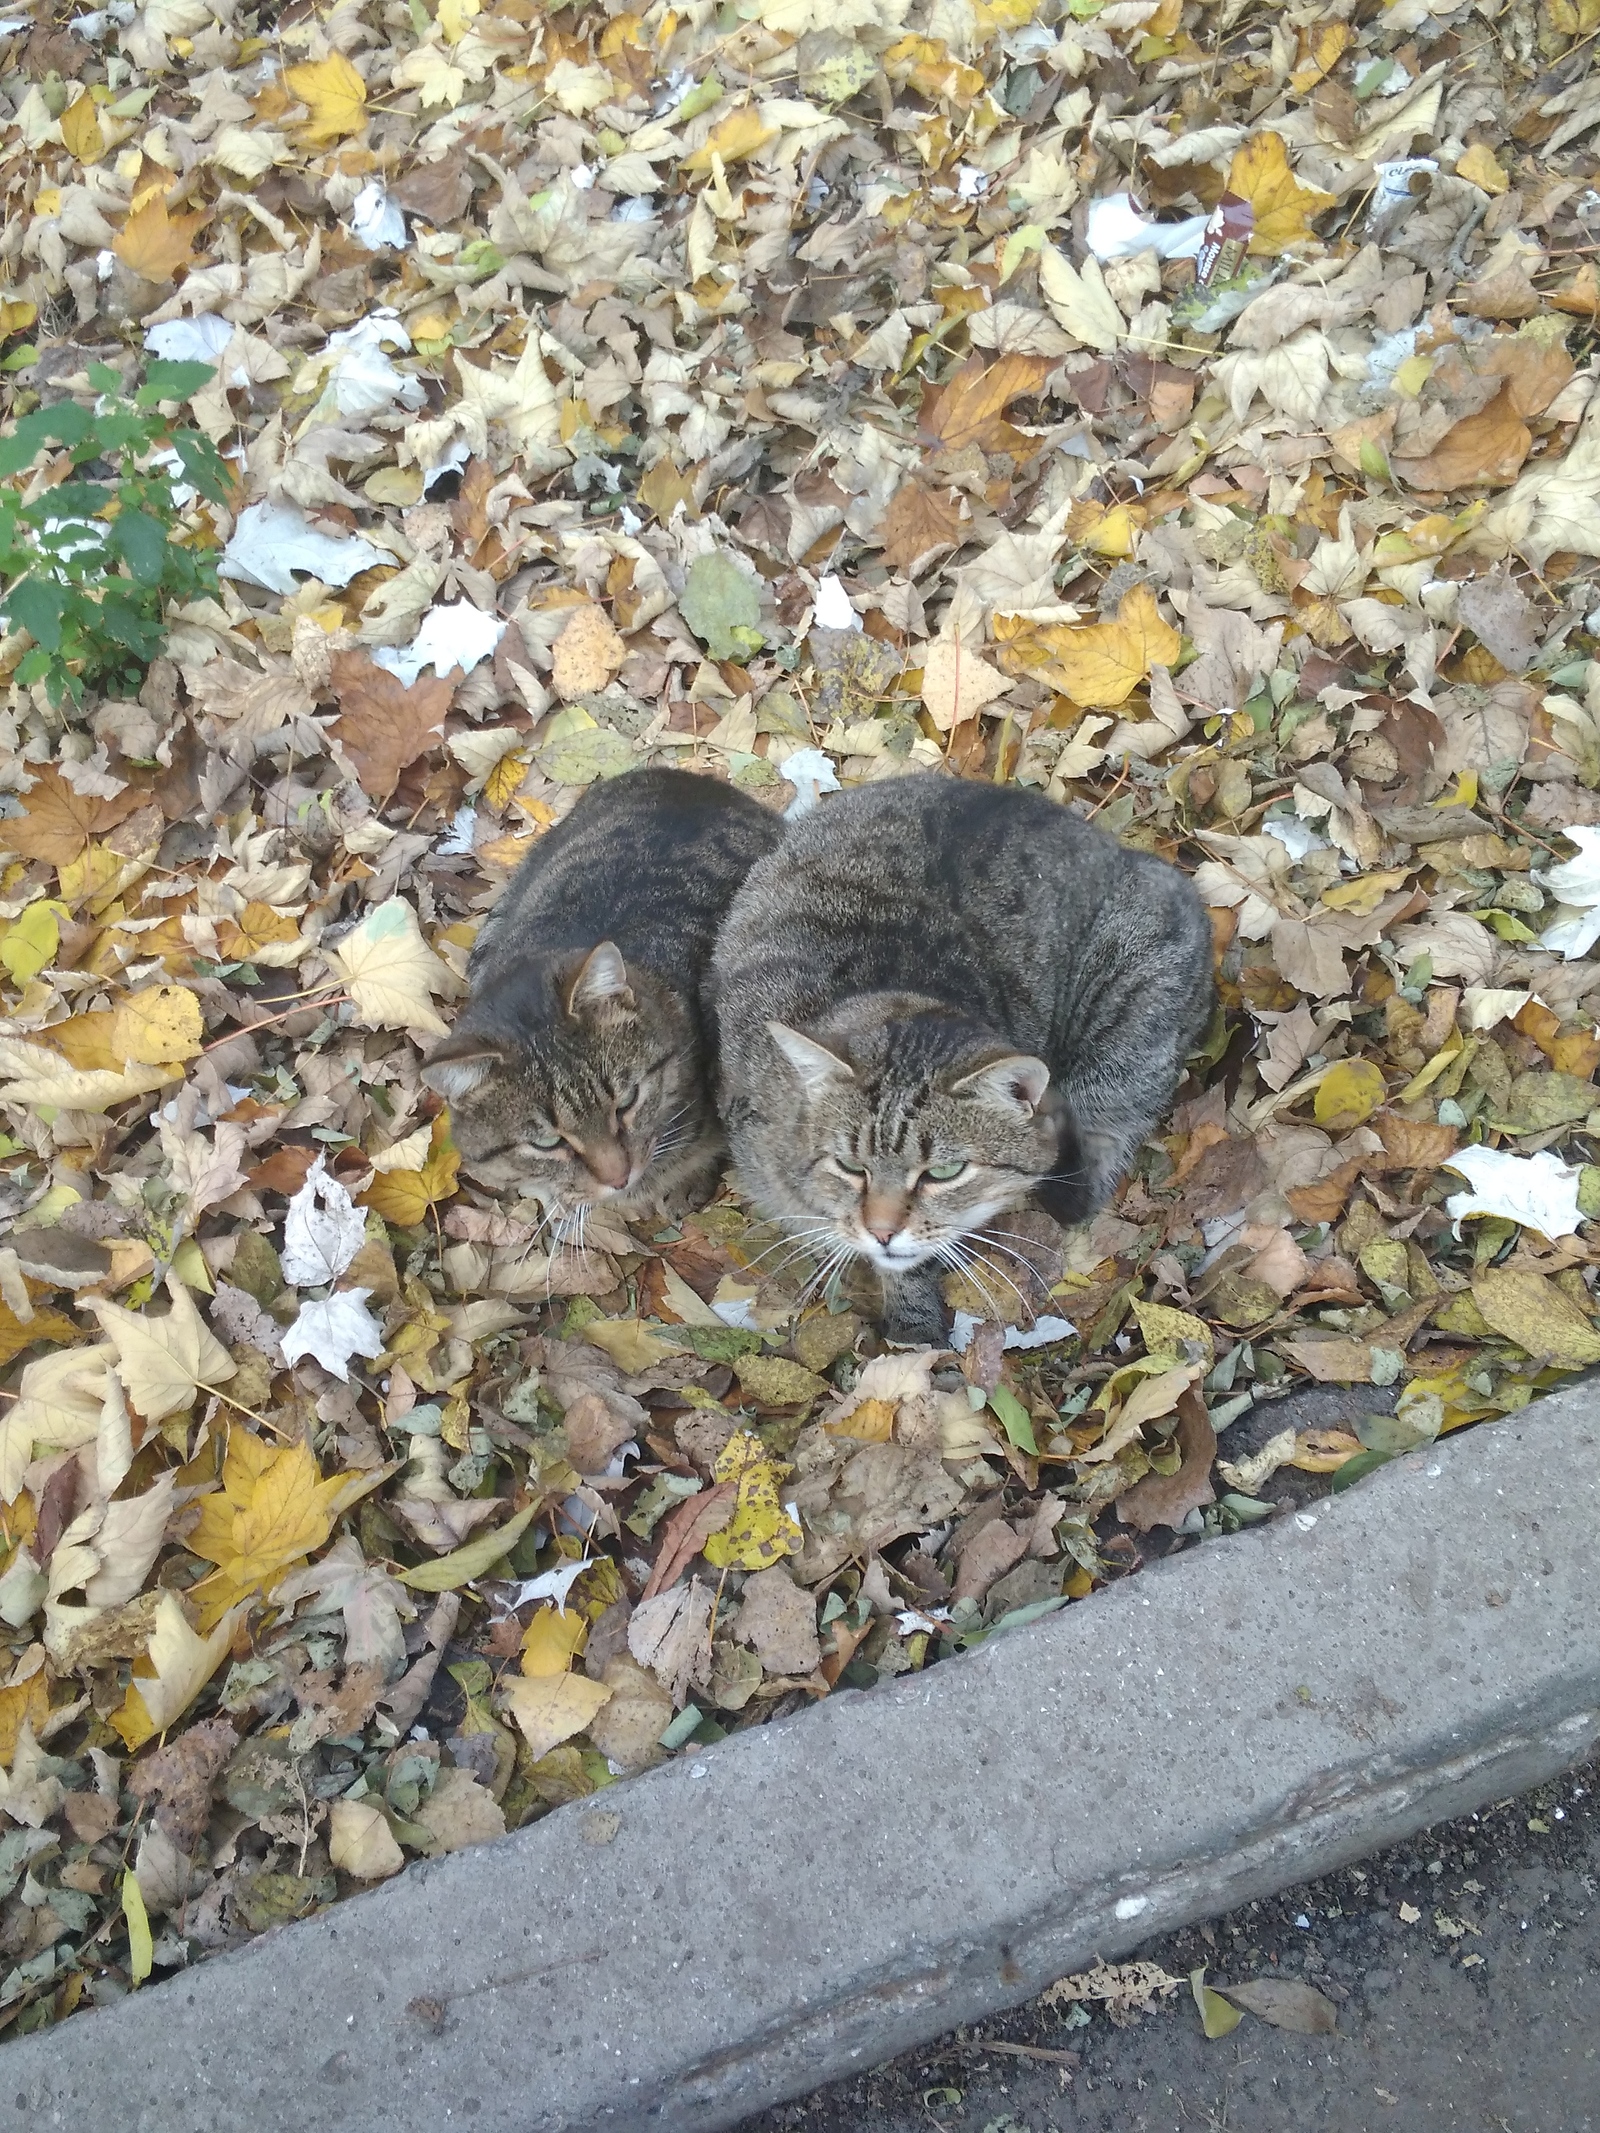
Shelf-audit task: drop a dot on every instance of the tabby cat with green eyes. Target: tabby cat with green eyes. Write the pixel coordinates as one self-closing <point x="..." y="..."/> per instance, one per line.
<point x="941" y="1000"/>
<point x="581" y="1069"/>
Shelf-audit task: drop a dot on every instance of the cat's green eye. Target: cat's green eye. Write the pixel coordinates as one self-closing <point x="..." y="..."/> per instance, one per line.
<point x="626" y="1102"/>
<point x="944" y="1173"/>
<point x="851" y="1170"/>
<point x="541" y="1143"/>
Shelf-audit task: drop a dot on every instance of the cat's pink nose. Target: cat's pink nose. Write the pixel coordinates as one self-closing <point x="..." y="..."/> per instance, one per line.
<point x="607" y="1162"/>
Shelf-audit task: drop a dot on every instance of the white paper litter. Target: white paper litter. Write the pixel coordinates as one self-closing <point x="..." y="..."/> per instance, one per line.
<point x="272" y="541"/>
<point x="1539" y="1191"/>
<point x="833" y="610"/>
<point x="1577" y="883"/>
<point x="1394" y="185"/>
<point x="811" y="773"/>
<point x="1042" y="1333"/>
<point x="1296" y="837"/>
<point x="375" y="221"/>
<point x="461" y="636"/>
<point x="333" y="1330"/>
<point x="1117" y="230"/>
<point x="322" y="1232"/>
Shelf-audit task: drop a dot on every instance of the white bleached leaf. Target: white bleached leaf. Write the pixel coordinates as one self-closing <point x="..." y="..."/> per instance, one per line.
<point x="460" y="636"/>
<point x="322" y="1231"/>
<point x="1577" y="883"/>
<point x="1539" y="1191"/>
<point x="333" y="1330"/>
<point x="272" y="541"/>
<point x="390" y="970"/>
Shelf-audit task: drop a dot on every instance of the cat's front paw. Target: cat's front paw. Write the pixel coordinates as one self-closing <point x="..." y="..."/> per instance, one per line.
<point x="914" y="1314"/>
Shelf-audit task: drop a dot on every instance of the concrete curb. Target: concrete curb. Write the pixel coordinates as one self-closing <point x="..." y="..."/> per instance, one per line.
<point x="812" y="1897"/>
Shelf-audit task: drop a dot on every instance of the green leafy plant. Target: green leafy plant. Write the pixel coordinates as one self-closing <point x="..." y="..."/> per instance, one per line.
<point x="89" y="565"/>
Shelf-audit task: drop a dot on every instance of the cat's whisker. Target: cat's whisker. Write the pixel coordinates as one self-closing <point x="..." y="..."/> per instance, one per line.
<point x="989" y="1236"/>
<point x="960" y="1263"/>
<point x="835" y="1263"/>
<point x="999" y="1273"/>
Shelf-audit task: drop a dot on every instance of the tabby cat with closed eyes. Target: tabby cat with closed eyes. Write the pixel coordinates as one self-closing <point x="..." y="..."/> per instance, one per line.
<point x="939" y="1000"/>
<point x="581" y="1069"/>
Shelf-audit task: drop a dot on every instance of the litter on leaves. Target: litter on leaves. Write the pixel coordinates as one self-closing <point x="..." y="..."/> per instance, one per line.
<point x="1188" y="415"/>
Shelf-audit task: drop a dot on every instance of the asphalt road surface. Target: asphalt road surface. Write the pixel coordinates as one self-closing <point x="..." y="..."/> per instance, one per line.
<point x="1480" y="2013"/>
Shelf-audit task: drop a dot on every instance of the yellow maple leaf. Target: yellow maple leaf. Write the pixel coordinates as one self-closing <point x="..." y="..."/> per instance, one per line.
<point x="760" y="1530"/>
<point x="334" y="94"/>
<point x="1284" y="208"/>
<point x="158" y="1026"/>
<point x="404" y="1196"/>
<point x="173" y="1671"/>
<point x="261" y="935"/>
<point x="742" y="133"/>
<point x="1106" y="662"/>
<point x="275" y="1509"/>
<point x="154" y="244"/>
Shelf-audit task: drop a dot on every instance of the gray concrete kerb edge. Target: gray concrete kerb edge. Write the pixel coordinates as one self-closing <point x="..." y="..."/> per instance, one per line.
<point x="811" y="1897"/>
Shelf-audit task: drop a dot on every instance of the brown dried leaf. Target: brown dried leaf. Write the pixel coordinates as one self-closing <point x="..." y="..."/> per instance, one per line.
<point x="383" y="726"/>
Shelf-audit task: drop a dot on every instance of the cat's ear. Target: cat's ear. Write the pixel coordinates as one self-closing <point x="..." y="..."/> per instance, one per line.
<point x="455" y="1067"/>
<point x="602" y="982"/>
<point x="1014" y="1084"/>
<point x="817" y="1067"/>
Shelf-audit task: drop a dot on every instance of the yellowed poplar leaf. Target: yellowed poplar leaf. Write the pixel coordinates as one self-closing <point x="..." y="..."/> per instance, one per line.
<point x="1529" y="1309"/>
<point x="361" y="1843"/>
<point x="1350" y="1091"/>
<point x="158" y="1026"/>
<point x="1478" y="166"/>
<point x="551" y="1641"/>
<point x="550" y="1708"/>
<point x="742" y="133"/>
